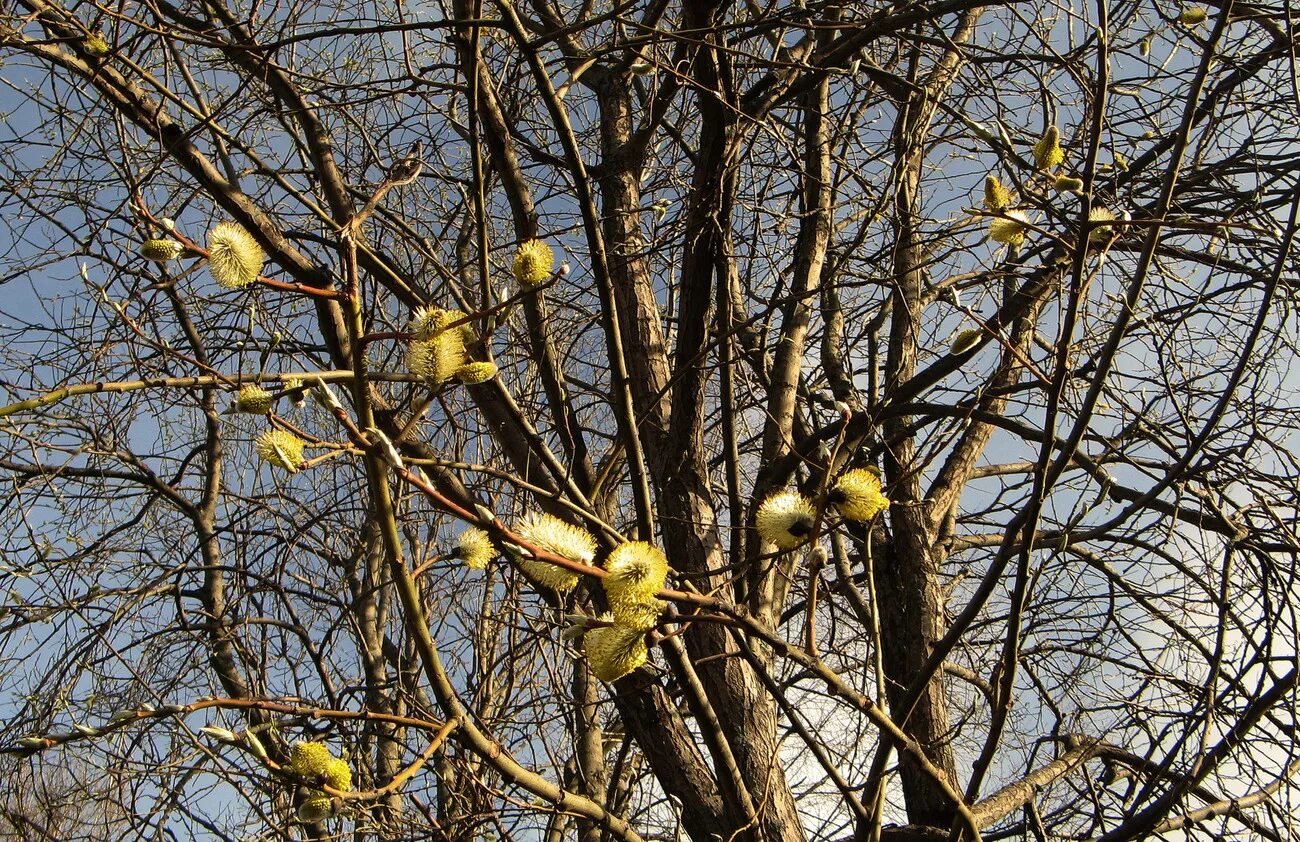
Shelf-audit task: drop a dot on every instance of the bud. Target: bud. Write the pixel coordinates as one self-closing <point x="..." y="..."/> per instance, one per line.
<point x="253" y="400"/>
<point x="965" y="340"/>
<point x="573" y="633"/>
<point x="1192" y="16"/>
<point x="95" y="44"/>
<point x="1048" y="153"/>
<point x="386" y="444"/>
<point x="517" y="550"/>
<point x="324" y="396"/>
<point x="160" y="250"/>
<point x="255" y="745"/>
<point x="983" y="133"/>
<point x="474" y="373"/>
<point x="220" y="734"/>
<point x="996" y="196"/>
<point x="1068" y="184"/>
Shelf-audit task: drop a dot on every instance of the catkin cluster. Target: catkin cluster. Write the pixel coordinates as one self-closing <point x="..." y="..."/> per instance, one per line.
<point x="439" y="348"/>
<point x="1011" y="226"/>
<point x="313" y="762"/>
<point x="787" y="517"/>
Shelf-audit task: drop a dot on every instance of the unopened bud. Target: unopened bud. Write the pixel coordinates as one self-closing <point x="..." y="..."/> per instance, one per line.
<point x="255" y="745"/>
<point x="1068" y="184"/>
<point x="390" y="452"/>
<point x="966" y="340"/>
<point x="517" y="550"/>
<point x="324" y="395"/>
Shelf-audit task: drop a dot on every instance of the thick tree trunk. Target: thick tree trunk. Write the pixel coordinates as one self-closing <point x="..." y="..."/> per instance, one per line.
<point x="907" y="581"/>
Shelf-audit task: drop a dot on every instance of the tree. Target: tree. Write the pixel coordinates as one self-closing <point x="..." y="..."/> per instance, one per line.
<point x="1024" y="269"/>
<point x="56" y="804"/>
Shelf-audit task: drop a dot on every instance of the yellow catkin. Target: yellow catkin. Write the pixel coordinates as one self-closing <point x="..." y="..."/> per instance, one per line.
<point x="313" y="761"/>
<point x="316" y="808"/>
<point x="642" y="615"/>
<point x="1010" y="230"/>
<point x="309" y="759"/>
<point x="425" y="323"/>
<point x="549" y="575"/>
<point x="997" y="196"/>
<point x="465" y="328"/>
<point x="234" y="258"/>
<point x="1048" y="153"/>
<point x="965" y="340"/>
<point x="1067" y="184"/>
<point x="474" y="373"/>
<point x="637" y="572"/>
<point x="96" y="45"/>
<point x="1101" y="234"/>
<point x="475" y="548"/>
<point x="160" y="250"/>
<point x="437" y="359"/>
<point x="549" y="533"/>
<point x="785" y="519"/>
<point x="614" y="651"/>
<point x="281" y="449"/>
<point x="253" y="399"/>
<point x="534" y="261"/>
<point x="338" y="774"/>
<point x="556" y="536"/>
<point x="857" y="495"/>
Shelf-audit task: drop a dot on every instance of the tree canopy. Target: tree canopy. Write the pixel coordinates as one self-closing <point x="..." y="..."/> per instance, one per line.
<point x="711" y="420"/>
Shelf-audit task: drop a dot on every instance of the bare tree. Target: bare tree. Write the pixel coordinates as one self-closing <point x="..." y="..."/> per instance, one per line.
<point x="650" y="420"/>
<point x="50" y="802"/>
